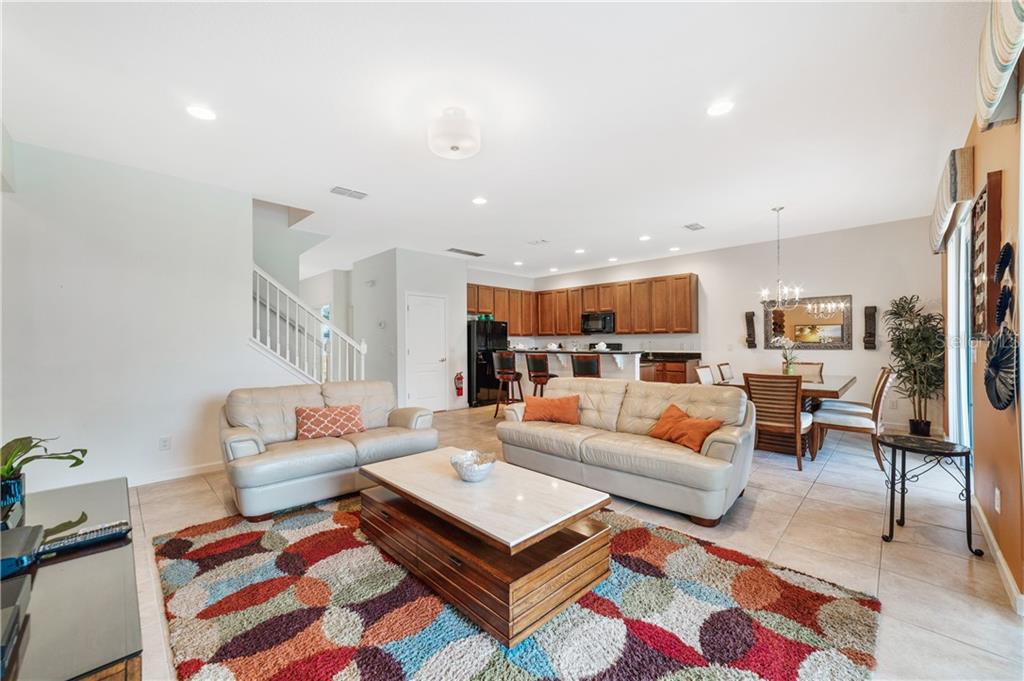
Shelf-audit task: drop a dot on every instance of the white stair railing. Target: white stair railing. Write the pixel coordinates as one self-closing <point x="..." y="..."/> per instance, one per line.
<point x="299" y="336"/>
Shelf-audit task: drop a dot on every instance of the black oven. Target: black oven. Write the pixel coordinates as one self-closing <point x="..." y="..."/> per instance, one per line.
<point x="598" y="322"/>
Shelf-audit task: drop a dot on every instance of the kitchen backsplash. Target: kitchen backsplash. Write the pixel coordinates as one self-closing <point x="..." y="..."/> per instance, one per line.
<point x="688" y="342"/>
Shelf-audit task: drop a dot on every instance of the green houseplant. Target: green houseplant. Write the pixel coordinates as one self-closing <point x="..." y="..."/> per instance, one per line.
<point x="918" y="345"/>
<point x="17" y="453"/>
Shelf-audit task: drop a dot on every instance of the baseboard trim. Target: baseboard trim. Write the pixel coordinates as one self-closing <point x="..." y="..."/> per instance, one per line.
<point x="1009" y="584"/>
<point x="177" y="473"/>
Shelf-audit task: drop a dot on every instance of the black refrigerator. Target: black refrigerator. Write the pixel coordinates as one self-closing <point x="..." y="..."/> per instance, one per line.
<point x="484" y="338"/>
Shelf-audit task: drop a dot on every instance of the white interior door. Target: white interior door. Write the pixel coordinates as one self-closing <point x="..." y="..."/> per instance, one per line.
<point x="426" y="354"/>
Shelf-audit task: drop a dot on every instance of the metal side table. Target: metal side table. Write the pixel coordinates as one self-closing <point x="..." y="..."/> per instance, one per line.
<point x="945" y="455"/>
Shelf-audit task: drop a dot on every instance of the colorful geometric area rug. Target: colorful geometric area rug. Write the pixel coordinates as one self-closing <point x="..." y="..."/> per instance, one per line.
<point x="305" y="595"/>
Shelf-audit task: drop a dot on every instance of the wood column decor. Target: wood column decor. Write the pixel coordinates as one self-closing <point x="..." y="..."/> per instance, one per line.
<point x="870" y="325"/>
<point x="986" y="234"/>
<point x="751" y="339"/>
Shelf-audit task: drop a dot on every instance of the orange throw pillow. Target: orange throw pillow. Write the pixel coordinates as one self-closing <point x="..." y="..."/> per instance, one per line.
<point x="675" y="425"/>
<point x="557" y="409"/>
<point x="314" y="422"/>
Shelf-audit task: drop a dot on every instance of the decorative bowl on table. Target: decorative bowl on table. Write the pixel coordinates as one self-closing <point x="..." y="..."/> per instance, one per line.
<point x="473" y="466"/>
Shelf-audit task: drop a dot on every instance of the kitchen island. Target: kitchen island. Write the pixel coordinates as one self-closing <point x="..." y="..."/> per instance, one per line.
<point x="622" y="364"/>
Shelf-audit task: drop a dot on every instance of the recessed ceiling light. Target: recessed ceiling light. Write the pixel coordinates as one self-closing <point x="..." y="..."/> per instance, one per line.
<point x="613" y="259"/>
<point x="579" y="250"/>
<point x="479" y="201"/>
<point x="552" y="269"/>
<point x="645" y="237"/>
<point x="201" y="112"/>
<point x="518" y="263"/>
<point x="673" y="248"/>
<point x="720" y="108"/>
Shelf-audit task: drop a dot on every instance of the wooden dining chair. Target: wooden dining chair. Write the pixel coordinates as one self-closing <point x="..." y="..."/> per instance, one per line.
<point x="853" y="419"/>
<point x="725" y="369"/>
<point x="777" y="400"/>
<point x="810" y="371"/>
<point x="537" y="370"/>
<point x="505" y="372"/>
<point x="705" y="376"/>
<point x="586" y="365"/>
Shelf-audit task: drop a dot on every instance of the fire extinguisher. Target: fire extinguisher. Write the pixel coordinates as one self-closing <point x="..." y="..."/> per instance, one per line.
<point x="458" y="384"/>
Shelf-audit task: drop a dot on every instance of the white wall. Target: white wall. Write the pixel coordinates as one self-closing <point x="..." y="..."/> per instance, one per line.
<point x="126" y="316"/>
<point x="330" y="288"/>
<point x="276" y="245"/>
<point x="874" y="264"/>
<point x="375" y="313"/>
<point x="441" y="276"/>
<point x="499" y="279"/>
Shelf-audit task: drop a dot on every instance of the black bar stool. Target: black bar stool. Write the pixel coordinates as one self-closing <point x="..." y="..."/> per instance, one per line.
<point x="505" y="372"/>
<point x="586" y="365"/>
<point x="537" y="369"/>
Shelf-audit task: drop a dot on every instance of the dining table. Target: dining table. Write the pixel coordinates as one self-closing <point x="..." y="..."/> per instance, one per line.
<point x="832" y="386"/>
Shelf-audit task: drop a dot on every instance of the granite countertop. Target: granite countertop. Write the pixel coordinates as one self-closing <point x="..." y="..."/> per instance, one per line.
<point x="588" y="352"/>
<point x="669" y="355"/>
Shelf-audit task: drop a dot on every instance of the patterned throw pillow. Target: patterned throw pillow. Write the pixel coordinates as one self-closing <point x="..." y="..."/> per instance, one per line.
<point x="314" y="422"/>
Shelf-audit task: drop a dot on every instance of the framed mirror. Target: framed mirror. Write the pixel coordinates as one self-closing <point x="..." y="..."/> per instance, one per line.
<point x="810" y="328"/>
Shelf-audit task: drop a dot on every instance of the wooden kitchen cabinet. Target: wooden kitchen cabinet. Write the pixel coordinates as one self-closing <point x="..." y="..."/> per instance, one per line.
<point x="501" y="305"/>
<point x="675" y="372"/>
<point x="606" y="297"/>
<point x="648" y="371"/>
<point x="575" y="311"/>
<point x="661" y="305"/>
<point x="529" y="313"/>
<point x="485" y="299"/>
<point x="546" y="313"/>
<point x="623" y="308"/>
<point x="589" y="299"/>
<point x="515" y="313"/>
<point x="562" y="312"/>
<point x="640" y="305"/>
<point x="471" y="298"/>
<point x="683" y="303"/>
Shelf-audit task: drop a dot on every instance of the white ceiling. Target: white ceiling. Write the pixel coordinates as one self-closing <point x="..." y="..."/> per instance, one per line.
<point x="592" y="116"/>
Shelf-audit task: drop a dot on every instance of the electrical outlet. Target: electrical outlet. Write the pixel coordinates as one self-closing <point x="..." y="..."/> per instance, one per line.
<point x="164" y="443"/>
<point x="997" y="501"/>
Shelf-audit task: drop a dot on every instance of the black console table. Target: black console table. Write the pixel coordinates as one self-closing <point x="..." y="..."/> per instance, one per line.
<point x="937" y="453"/>
<point x="83" y="616"/>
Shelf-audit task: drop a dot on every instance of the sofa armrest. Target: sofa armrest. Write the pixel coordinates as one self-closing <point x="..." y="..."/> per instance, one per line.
<point x="730" y="442"/>
<point x="413" y="418"/>
<point x="240" y="442"/>
<point x="514" y="411"/>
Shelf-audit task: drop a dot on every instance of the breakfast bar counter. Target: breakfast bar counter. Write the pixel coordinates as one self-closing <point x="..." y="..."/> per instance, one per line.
<point x="621" y="364"/>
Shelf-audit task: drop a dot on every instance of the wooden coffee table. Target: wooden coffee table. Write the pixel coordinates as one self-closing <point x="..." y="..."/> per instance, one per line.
<point x="510" y="552"/>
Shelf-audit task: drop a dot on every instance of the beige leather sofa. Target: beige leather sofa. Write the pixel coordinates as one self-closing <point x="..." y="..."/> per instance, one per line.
<point x="610" y="449"/>
<point x="270" y="470"/>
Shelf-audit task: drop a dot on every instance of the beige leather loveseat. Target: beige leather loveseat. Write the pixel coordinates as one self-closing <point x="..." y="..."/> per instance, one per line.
<point x="270" y="470"/>
<point x="610" y="450"/>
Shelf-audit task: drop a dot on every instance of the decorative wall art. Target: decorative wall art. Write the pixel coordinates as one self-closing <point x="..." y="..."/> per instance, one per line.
<point x="870" y="326"/>
<point x="986" y="233"/>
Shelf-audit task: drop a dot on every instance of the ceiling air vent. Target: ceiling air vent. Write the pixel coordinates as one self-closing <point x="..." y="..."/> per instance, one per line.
<point x="462" y="251"/>
<point x="350" y="193"/>
<point x="694" y="226"/>
<point x="539" y="242"/>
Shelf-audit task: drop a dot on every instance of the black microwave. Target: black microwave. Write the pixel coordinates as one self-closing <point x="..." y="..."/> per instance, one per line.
<point x="598" y="322"/>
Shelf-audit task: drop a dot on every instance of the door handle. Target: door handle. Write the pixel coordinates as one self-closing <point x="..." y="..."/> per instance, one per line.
<point x="443" y="359"/>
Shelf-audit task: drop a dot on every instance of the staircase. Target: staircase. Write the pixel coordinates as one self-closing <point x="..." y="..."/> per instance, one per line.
<point x="297" y="336"/>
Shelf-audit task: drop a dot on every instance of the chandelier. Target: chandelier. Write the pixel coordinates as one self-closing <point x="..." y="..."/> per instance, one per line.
<point x="826" y="309"/>
<point x="786" y="297"/>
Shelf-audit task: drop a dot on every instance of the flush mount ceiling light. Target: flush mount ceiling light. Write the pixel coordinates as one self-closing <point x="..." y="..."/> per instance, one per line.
<point x="479" y="201"/>
<point x="645" y="237"/>
<point x="578" y="251"/>
<point x="552" y="269"/>
<point x="518" y="263"/>
<point x="453" y="135"/>
<point x="673" y="248"/>
<point x="613" y="259"/>
<point x="720" y="108"/>
<point x="201" y="112"/>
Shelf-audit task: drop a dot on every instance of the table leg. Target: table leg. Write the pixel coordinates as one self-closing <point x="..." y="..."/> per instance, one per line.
<point x="892" y="497"/>
<point x="903" y="488"/>
<point x="967" y="501"/>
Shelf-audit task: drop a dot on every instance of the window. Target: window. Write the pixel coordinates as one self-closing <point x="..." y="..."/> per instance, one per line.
<point x="958" y="335"/>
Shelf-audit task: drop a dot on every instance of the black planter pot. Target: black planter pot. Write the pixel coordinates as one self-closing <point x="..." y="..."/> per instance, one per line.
<point x="919" y="427"/>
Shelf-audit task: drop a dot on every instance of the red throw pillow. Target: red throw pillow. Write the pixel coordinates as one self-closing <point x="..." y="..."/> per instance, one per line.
<point x="675" y="425"/>
<point x="314" y="422"/>
<point x="557" y="409"/>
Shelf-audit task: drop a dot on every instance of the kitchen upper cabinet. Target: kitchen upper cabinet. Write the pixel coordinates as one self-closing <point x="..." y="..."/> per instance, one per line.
<point x="546" y="313"/>
<point x="529" y="313"/>
<point x="501" y="305"/>
<point x="485" y="299"/>
<point x="562" y="312"/>
<point x="661" y="305"/>
<point x="683" y="302"/>
<point x="589" y="299"/>
<point x="640" y="305"/>
<point x="471" y="298"/>
<point x="623" y="308"/>
<point x="515" y="313"/>
<point x="575" y="311"/>
<point x="606" y="297"/>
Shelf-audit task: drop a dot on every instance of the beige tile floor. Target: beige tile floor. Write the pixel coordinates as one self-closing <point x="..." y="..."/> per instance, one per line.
<point x="944" y="613"/>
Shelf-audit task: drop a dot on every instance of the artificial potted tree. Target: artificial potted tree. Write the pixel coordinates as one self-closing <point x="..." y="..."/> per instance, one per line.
<point x="17" y="453"/>
<point x="918" y="345"/>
